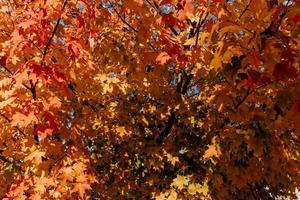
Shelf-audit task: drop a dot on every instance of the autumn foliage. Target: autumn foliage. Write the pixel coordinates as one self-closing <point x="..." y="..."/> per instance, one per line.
<point x="149" y="99"/>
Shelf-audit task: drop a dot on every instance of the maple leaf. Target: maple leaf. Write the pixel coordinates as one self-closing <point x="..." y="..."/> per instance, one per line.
<point x="80" y="21"/>
<point x="163" y="57"/>
<point x="284" y="70"/>
<point x="212" y="150"/>
<point x="43" y="131"/>
<point x="35" y="155"/>
<point x="81" y="187"/>
<point x="197" y="188"/>
<point x="180" y="182"/>
<point x="6" y="102"/>
<point x="26" y="24"/>
<point x="121" y="131"/>
<point x="18" y="191"/>
<point x="67" y="173"/>
<point x="22" y="120"/>
<point x="227" y="82"/>
<point x="42" y="183"/>
<point x="216" y="62"/>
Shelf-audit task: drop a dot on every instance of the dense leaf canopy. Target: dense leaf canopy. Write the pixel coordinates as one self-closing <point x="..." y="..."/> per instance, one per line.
<point x="149" y="99"/>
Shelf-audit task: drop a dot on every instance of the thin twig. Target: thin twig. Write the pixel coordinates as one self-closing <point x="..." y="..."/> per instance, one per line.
<point x="11" y="73"/>
<point x="152" y="47"/>
<point x="246" y="8"/>
<point x="8" y="70"/>
<point x="250" y="92"/>
<point x="195" y="94"/>
<point x="200" y="23"/>
<point x="156" y="7"/>
<point x="243" y="99"/>
<point x="121" y="18"/>
<point x="35" y="45"/>
<point x="16" y="127"/>
<point x="52" y="35"/>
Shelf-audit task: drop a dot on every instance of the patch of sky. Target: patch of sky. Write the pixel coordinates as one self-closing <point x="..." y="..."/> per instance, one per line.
<point x="61" y="22"/>
<point x="81" y="7"/>
<point x="59" y="39"/>
<point x="108" y="5"/>
<point x="261" y="69"/>
<point x="155" y="35"/>
<point x="68" y="125"/>
<point x="132" y="94"/>
<point x="287" y="2"/>
<point x="213" y="17"/>
<point x="174" y="80"/>
<point x="72" y="114"/>
<point x="167" y="8"/>
<point x="182" y="150"/>
<point x="111" y="74"/>
<point x="193" y="91"/>
<point x="241" y="33"/>
<point x="205" y="44"/>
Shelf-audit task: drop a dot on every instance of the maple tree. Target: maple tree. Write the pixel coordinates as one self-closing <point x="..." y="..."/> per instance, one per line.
<point x="149" y="99"/>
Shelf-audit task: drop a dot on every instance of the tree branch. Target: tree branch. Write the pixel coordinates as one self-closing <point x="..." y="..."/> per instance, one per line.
<point x="200" y="23"/>
<point x="167" y="129"/>
<point x="16" y="127"/>
<point x="246" y="8"/>
<point x="52" y="35"/>
<point x="250" y="92"/>
<point x="121" y="18"/>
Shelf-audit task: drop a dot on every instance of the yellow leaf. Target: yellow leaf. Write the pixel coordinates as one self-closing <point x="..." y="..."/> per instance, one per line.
<point x="36" y="155"/>
<point x="152" y="109"/>
<point x="171" y="158"/>
<point x="121" y="130"/>
<point x="14" y="59"/>
<point x="180" y="182"/>
<point x="216" y="62"/>
<point x="198" y="188"/>
<point x="194" y="188"/>
<point x="81" y="188"/>
<point x="212" y="151"/>
<point x="190" y="41"/>
<point x="6" y="102"/>
<point x="145" y="121"/>
<point x="221" y="13"/>
<point x="172" y="196"/>
<point x="232" y="28"/>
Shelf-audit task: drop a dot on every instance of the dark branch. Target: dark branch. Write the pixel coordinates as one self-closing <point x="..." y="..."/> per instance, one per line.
<point x="121" y="18"/>
<point x="16" y="127"/>
<point x="246" y="8"/>
<point x="250" y="92"/>
<point x="200" y="23"/>
<point x="52" y="35"/>
<point x="167" y="129"/>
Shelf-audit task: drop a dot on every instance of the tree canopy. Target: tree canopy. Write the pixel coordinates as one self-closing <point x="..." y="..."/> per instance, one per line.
<point x="149" y="99"/>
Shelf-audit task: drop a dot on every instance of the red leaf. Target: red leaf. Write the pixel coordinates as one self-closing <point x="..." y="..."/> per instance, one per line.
<point x="255" y="60"/>
<point x="296" y="18"/>
<point x="80" y="21"/>
<point x="171" y="21"/>
<point x="3" y="61"/>
<point x="163" y="57"/>
<point x="296" y="107"/>
<point x="43" y="130"/>
<point x="284" y="70"/>
<point x="276" y="15"/>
